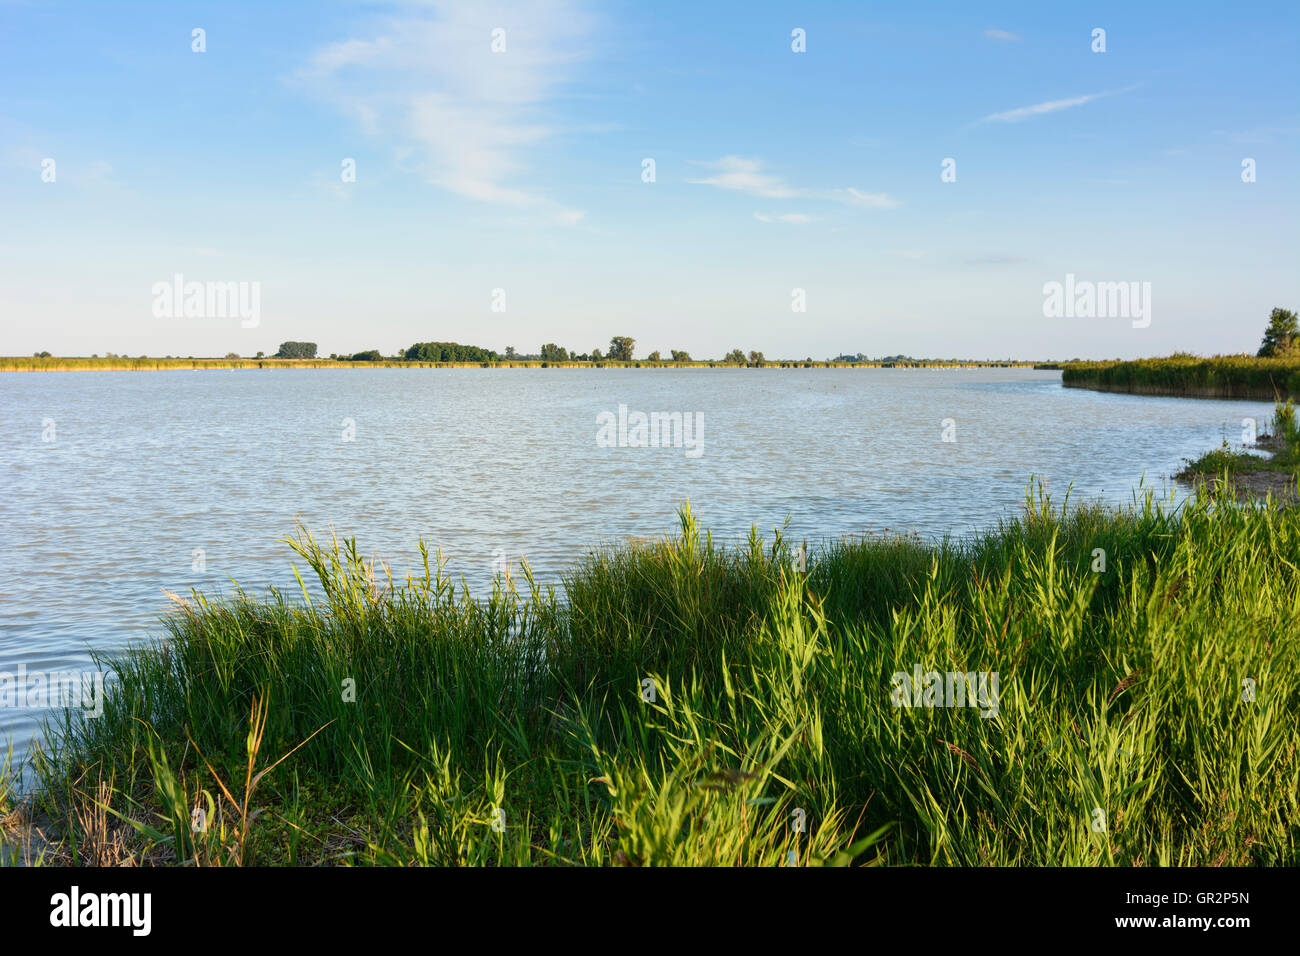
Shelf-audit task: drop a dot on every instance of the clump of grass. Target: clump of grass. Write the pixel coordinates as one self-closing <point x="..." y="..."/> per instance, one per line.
<point x="1281" y="447"/>
<point x="1226" y="460"/>
<point x="683" y="703"/>
<point x="21" y="843"/>
<point x="1285" y="427"/>
<point x="8" y="796"/>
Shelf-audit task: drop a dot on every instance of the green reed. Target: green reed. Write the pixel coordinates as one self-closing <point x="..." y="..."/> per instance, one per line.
<point x="1223" y="376"/>
<point x="681" y="702"/>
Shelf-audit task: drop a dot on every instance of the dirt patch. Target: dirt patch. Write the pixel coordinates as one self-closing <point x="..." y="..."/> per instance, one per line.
<point x="22" y="839"/>
<point x="1258" y="485"/>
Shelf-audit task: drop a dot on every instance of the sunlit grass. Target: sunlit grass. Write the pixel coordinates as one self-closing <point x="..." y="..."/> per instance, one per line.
<point x="1223" y="376"/>
<point x="680" y="702"/>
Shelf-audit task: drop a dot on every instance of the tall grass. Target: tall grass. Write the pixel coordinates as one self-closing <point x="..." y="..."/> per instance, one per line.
<point x="686" y="703"/>
<point x="1286" y="428"/>
<point x="1223" y="376"/>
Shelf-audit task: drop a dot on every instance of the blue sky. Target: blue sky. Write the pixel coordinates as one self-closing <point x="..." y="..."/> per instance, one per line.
<point x="522" y="171"/>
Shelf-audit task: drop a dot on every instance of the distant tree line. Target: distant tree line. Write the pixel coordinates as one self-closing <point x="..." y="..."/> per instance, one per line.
<point x="622" y="348"/>
<point x="1281" y="339"/>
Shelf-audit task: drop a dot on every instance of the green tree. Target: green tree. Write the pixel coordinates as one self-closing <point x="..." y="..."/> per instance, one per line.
<point x="296" y="350"/>
<point x="735" y="357"/>
<point x="756" y="358"/>
<point x="1281" y="334"/>
<point x="620" y="348"/>
<point x="680" y="356"/>
<point x="653" y="356"/>
<point x="596" y="356"/>
<point x="369" y="356"/>
<point x="448" y="352"/>
<point x="554" y="353"/>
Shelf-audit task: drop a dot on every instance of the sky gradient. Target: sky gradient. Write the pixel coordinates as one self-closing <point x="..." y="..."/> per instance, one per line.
<point x="522" y="171"/>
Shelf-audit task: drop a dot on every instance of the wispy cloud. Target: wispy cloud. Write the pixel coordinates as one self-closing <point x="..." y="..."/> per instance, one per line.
<point x="429" y="78"/>
<point x="1260" y="135"/>
<point x="793" y="218"/>
<point x="68" y="169"/>
<point x="1041" y="109"/>
<point x="856" y="197"/>
<point x="100" y="173"/>
<point x="1001" y="35"/>
<point x="748" y="176"/>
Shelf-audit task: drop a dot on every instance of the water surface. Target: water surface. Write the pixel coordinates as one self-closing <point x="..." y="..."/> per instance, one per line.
<point x="148" y="468"/>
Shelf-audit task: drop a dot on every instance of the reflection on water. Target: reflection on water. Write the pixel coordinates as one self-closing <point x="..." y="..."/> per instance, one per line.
<point x="166" y="481"/>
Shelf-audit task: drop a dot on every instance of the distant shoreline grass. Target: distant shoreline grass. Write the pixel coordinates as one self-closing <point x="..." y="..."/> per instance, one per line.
<point x="55" y="364"/>
<point x="1223" y="376"/>
<point x="691" y="704"/>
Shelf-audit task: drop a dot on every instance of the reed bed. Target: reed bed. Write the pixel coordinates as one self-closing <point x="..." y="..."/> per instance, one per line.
<point x="679" y="702"/>
<point x="1223" y="376"/>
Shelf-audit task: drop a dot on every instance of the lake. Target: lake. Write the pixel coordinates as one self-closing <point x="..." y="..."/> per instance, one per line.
<point x="119" y="486"/>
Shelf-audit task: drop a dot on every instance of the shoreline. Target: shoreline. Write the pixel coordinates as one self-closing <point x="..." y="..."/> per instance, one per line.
<point x="1247" y="477"/>
<point x="661" y="717"/>
<point x="199" y="365"/>
<point x="1222" y="393"/>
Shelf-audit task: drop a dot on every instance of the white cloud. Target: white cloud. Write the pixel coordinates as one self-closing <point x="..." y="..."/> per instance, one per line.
<point x="856" y="197"/>
<point x="429" y="78"/>
<point x="1261" y="135"/>
<point x="794" y="218"/>
<point x="69" y="169"/>
<point x="746" y="176"/>
<point x="739" y="174"/>
<point x="1039" y="109"/>
<point x="1001" y="35"/>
